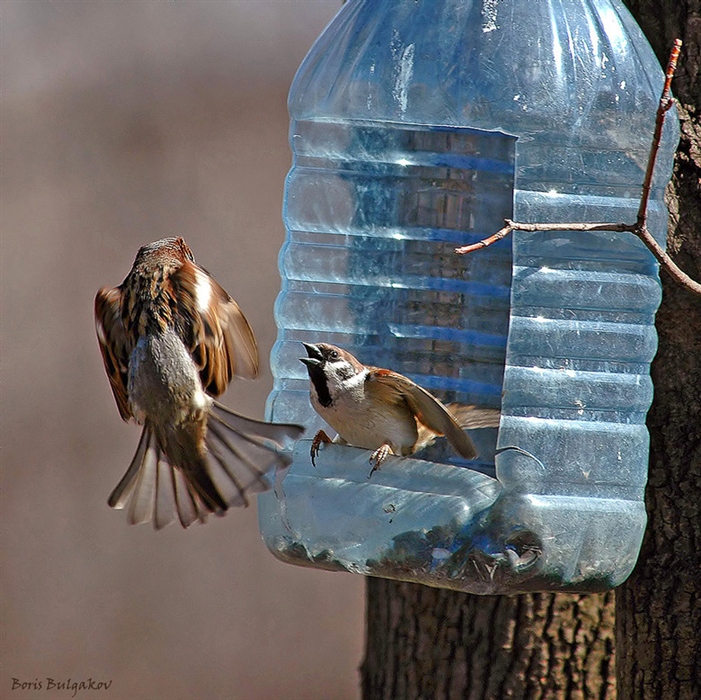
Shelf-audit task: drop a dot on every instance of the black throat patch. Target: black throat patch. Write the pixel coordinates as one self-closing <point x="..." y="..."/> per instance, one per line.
<point x="318" y="378"/>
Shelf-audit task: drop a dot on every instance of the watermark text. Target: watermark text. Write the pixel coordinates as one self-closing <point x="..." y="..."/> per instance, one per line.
<point x="56" y="684"/>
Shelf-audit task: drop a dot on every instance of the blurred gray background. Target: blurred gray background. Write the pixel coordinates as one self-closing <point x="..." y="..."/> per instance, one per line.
<point x="123" y="122"/>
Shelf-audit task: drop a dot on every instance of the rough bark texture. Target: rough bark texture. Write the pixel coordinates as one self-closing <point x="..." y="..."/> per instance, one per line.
<point x="658" y="610"/>
<point x="428" y="643"/>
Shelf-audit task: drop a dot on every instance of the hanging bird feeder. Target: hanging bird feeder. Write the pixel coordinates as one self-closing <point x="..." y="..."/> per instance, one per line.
<point x="418" y="127"/>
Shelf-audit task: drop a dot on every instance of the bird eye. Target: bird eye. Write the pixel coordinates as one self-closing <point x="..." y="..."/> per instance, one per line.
<point x="333" y="355"/>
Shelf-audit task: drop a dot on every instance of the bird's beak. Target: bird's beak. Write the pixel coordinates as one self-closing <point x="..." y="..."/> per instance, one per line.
<point x="315" y="357"/>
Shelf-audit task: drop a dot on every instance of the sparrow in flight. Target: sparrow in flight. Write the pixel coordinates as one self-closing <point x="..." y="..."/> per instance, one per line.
<point x="172" y="339"/>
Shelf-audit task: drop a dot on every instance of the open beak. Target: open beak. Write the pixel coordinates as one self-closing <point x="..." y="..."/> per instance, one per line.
<point x="315" y="358"/>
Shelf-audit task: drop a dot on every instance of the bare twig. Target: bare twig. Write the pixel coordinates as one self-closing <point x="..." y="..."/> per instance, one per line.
<point x="665" y="103"/>
<point x="639" y="228"/>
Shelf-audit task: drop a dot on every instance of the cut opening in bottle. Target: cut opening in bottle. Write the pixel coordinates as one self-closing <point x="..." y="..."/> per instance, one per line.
<point x="375" y="212"/>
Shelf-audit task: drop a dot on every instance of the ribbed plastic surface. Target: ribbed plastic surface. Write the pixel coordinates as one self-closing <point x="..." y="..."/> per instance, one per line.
<point x="416" y="127"/>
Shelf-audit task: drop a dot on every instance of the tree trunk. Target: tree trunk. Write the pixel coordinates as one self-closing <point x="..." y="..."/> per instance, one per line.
<point x="428" y="643"/>
<point x="658" y="610"/>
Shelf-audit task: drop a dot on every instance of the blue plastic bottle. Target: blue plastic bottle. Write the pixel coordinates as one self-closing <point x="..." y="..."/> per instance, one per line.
<point x="420" y="126"/>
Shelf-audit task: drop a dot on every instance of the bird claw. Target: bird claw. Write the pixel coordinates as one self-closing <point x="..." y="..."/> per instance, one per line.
<point x="319" y="438"/>
<point x="378" y="457"/>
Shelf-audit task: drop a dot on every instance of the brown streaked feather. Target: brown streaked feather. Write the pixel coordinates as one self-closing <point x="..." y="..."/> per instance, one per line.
<point x="470" y="417"/>
<point x="153" y="489"/>
<point x="114" y="346"/>
<point x="219" y="337"/>
<point x="467" y="416"/>
<point x="427" y="408"/>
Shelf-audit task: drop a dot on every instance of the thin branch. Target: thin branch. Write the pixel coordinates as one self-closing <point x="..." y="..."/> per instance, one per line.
<point x="665" y="103"/>
<point x="640" y="231"/>
<point x="486" y="242"/>
<point x="672" y="268"/>
<point x="639" y="228"/>
<point x="518" y="226"/>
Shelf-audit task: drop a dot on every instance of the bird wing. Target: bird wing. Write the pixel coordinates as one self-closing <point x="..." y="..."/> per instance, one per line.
<point x="218" y="335"/>
<point x="114" y="345"/>
<point x="427" y="408"/>
<point x="470" y="417"/>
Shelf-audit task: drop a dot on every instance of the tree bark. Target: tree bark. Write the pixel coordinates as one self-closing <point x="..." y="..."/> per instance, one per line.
<point x="658" y="610"/>
<point x="428" y="643"/>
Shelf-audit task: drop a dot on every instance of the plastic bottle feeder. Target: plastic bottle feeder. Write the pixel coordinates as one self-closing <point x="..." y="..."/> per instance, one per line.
<point x="418" y="127"/>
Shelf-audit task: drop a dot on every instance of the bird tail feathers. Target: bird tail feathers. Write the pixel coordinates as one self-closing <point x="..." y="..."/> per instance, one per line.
<point x="467" y="417"/>
<point x="241" y="453"/>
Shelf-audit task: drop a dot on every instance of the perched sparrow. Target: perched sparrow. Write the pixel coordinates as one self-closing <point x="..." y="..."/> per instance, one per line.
<point x="171" y="339"/>
<point x="380" y="410"/>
